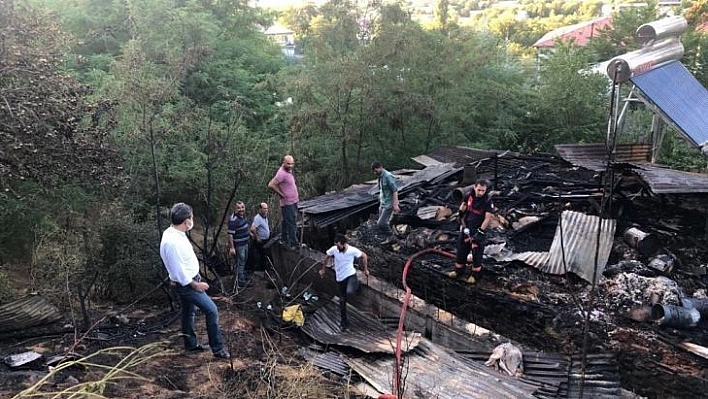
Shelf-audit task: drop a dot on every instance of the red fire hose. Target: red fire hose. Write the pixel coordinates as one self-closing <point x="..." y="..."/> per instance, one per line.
<point x="398" y="367"/>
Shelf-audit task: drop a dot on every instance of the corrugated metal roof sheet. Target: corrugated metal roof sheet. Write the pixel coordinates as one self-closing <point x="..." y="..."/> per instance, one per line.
<point x="680" y="98"/>
<point x="328" y="360"/>
<point x="559" y="376"/>
<point x="461" y="156"/>
<point x="434" y="372"/>
<point x="600" y="380"/>
<point x="669" y="181"/>
<point x="661" y="180"/>
<point x="574" y="246"/>
<point x="593" y="156"/>
<point x="326" y="209"/>
<point x="365" y="333"/>
<point x="27" y="312"/>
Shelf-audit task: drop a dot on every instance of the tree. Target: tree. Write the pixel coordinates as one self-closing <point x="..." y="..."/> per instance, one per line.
<point x="45" y="134"/>
<point x="619" y="38"/>
<point x="570" y="106"/>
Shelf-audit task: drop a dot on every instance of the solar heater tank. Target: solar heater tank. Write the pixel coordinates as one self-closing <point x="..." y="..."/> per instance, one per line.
<point x="622" y="68"/>
<point x="655" y="31"/>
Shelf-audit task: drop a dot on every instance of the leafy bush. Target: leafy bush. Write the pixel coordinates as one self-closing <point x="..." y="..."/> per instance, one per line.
<point x="126" y="263"/>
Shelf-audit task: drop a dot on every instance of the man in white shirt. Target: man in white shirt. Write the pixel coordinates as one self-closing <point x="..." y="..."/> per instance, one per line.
<point x="183" y="268"/>
<point x="260" y="230"/>
<point x="341" y="256"/>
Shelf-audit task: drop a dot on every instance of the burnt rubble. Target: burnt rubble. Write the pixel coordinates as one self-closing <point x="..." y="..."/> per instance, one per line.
<point x="656" y="259"/>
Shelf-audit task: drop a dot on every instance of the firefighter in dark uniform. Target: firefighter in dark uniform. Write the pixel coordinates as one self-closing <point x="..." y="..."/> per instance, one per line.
<point x="475" y="214"/>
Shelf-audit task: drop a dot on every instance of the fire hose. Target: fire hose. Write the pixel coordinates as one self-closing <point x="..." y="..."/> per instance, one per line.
<point x="398" y="366"/>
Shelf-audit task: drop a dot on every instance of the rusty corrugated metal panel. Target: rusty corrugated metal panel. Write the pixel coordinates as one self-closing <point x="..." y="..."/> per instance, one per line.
<point x="593" y="156"/>
<point x="670" y="181"/>
<point x="434" y="372"/>
<point x="365" y="333"/>
<point x="575" y="245"/>
<point x="659" y="179"/>
<point x="578" y="234"/>
<point x="27" y="312"/>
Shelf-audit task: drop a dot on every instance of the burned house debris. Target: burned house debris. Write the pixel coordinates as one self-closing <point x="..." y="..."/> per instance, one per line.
<point x="627" y="287"/>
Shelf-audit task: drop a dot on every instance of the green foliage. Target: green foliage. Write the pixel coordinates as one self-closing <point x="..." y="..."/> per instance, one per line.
<point x="619" y="38"/>
<point x="194" y="96"/>
<point x="123" y="262"/>
<point x="47" y="134"/>
<point x="696" y="57"/>
<point x="570" y="107"/>
<point x="404" y="92"/>
<point x="6" y="292"/>
<point x="677" y="153"/>
<point x="34" y="216"/>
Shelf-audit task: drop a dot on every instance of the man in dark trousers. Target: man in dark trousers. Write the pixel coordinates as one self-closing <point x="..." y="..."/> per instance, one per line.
<point x="260" y="231"/>
<point x="183" y="268"/>
<point x="475" y="214"/>
<point x="341" y="256"/>
<point x="239" y="233"/>
<point x="388" y="199"/>
<point x="283" y="184"/>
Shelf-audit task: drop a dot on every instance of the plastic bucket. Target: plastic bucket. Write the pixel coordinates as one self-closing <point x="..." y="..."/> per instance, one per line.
<point x="675" y="316"/>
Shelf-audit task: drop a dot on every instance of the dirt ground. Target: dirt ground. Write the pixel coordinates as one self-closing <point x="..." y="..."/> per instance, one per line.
<point x="146" y="347"/>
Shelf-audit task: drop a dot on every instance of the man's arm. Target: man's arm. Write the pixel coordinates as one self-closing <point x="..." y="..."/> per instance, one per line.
<point x="199" y="286"/>
<point x="462" y="211"/>
<point x="232" y="249"/>
<point x="253" y="230"/>
<point x="364" y="260"/>
<point x="327" y="262"/>
<point x="274" y="185"/>
<point x="487" y="219"/>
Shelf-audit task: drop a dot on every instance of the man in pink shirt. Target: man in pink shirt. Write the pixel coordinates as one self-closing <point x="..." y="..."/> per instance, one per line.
<point x="283" y="184"/>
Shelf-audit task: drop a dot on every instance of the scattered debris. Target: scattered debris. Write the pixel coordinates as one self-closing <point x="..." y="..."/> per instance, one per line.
<point x="24" y="359"/>
<point x="508" y="358"/>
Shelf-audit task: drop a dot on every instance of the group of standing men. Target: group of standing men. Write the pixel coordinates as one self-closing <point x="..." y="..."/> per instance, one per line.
<point x="241" y="232"/>
<point x="240" y="235"/>
<point x="183" y="267"/>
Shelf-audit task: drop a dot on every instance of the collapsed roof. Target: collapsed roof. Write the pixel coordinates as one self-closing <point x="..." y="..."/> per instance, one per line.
<point x="542" y="198"/>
